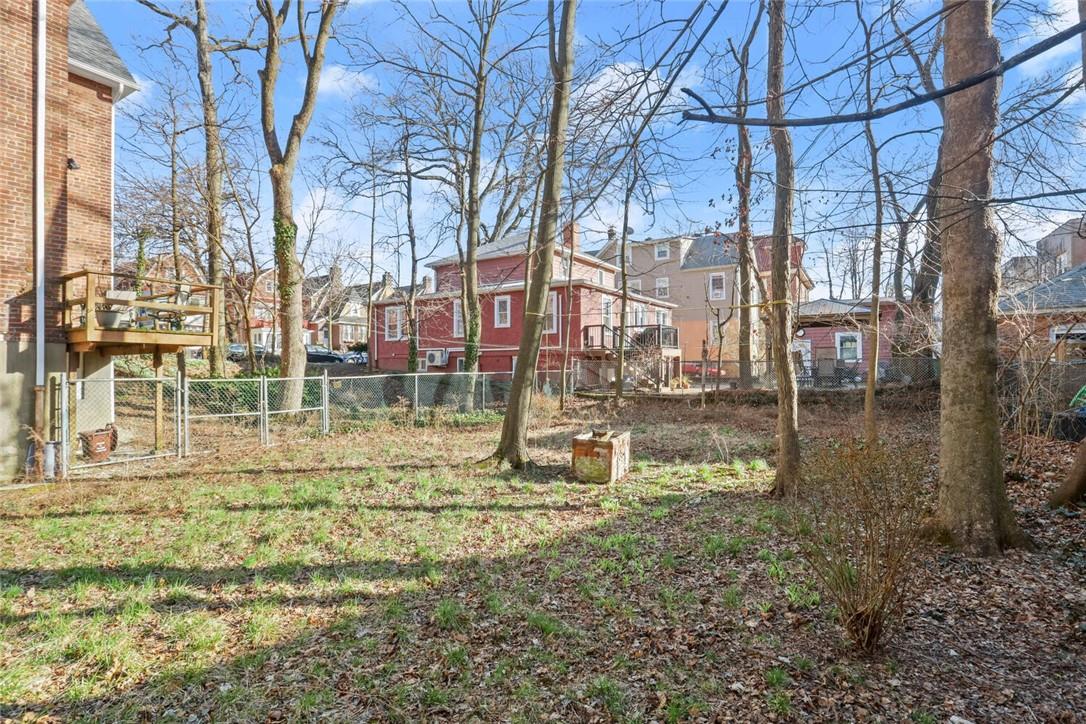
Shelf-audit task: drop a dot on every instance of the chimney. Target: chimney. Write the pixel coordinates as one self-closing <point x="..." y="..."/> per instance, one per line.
<point x="386" y="279"/>
<point x="426" y="284"/>
<point x="571" y="234"/>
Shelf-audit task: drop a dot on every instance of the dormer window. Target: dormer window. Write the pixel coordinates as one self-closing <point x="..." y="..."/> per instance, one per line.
<point x="663" y="251"/>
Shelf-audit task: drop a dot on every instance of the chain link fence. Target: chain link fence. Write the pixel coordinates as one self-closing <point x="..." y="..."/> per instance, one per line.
<point x="103" y="420"/>
<point x="120" y="420"/>
<point x="599" y="375"/>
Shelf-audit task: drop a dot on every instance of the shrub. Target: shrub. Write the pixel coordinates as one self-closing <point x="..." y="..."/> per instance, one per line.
<point x="860" y="529"/>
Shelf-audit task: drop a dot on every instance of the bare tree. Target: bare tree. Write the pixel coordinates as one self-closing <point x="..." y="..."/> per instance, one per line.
<point x="972" y="508"/>
<point x="744" y="168"/>
<point x="284" y="160"/>
<point x="513" y="446"/>
<point x="786" y="481"/>
<point x="213" y="157"/>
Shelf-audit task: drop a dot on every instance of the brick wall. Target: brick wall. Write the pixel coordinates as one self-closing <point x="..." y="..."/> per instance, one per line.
<point x="77" y="203"/>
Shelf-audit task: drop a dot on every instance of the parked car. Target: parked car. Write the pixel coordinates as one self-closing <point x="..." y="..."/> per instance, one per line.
<point x="238" y="352"/>
<point x="318" y="354"/>
<point x="357" y="358"/>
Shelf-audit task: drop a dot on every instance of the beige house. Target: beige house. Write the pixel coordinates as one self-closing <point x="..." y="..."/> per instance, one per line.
<point x="699" y="275"/>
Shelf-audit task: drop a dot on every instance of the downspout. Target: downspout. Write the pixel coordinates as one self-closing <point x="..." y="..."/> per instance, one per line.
<point x="39" y="219"/>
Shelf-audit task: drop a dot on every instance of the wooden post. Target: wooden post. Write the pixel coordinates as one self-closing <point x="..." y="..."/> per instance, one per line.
<point x="91" y="307"/>
<point x="160" y="423"/>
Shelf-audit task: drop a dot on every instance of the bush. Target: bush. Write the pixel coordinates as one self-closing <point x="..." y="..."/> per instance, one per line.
<point x="860" y="528"/>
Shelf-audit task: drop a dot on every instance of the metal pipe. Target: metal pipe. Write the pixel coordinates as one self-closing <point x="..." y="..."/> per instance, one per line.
<point x="39" y="216"/>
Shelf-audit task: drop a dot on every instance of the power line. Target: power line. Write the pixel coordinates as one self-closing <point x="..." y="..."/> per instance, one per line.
<point x="997" y="70"/>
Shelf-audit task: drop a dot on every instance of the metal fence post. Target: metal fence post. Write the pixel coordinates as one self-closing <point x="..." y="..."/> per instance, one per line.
<point x="177" y="412"/>
<point x="262" y="409"/>
<point x="415" y="377"/>
<point x="483" y="389"/>
<point x="65" y="427"/>
<point x="185" y="413"/>
<point x="326" y="421"/>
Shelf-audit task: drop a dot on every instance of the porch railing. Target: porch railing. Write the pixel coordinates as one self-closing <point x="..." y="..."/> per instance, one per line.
<point x="603" y="336"/>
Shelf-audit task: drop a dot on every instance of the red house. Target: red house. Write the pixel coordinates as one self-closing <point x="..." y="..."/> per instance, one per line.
<point x="831" y="339"/>
<point x="589" y="307"/>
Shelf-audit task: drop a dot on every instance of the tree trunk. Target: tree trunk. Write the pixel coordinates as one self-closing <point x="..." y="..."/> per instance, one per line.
<point x="786" y="482"/>
<point x="620" y="363"/>
<point x="372" y="262"/>
<point x="513" y="447"/>
<point x="972" y="510"/>
<point x="213" y="172"/>
<point x="871" y="428"/>
<point x="744" y="167"/>
<point x="292" y="341"/>
<point x="1073" y="489"/>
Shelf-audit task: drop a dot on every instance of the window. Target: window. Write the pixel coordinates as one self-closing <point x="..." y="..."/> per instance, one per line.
<point x="501" y="311"/>
<point x="554" y="305"/>
<point x="661" y="317"/>
<point x="663" y="251"/>
<point x="460" y="366"/>
<point x="393" y="323"/>
<point x="663" y="288"/>
<point x="717" y="289"/>
<point x="599" y="277"/>
<point x="269" y="286"/>
<point x="639" y="315"/>
<point x="608" y="305"/>
<point x="420" y="362"/>
<point x="457" y="319"/>
<point x="634" y="285"/>
<point x="848" y="346"/>
<point x="348" y="333"/>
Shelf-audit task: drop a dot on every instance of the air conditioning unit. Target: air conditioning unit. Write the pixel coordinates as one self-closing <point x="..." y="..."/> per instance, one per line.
<point x="437" y="357"/>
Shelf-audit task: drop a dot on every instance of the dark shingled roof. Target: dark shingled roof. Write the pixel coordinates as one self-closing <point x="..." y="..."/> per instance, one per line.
<point x="709" y="250"/>
<point x="1060" y="293"/>
<point x="89" y="46"/>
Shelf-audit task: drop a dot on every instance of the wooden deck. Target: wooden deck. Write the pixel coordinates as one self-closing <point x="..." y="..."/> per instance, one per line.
<point x="99" y="316"/>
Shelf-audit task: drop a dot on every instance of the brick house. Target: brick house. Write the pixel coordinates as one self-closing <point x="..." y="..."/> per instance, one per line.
<point x="335" y="313"/>
<point x="831" y="338"/>
<point x="592" y="307"/>
<point x="698" y="275"/>
<point x="68" y="309"/>
<point x="1047" y="319"/>
<point x="78" y="77"/>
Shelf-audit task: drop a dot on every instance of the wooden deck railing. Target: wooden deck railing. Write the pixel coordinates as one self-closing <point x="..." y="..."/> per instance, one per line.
<point x="165" y="317"/>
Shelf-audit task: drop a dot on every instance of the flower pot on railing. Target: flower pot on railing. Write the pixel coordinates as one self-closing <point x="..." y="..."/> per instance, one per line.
<point x="112" y="319"/>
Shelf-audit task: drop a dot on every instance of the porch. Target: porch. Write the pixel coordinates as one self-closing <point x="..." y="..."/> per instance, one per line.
<point x="120" y="313"/>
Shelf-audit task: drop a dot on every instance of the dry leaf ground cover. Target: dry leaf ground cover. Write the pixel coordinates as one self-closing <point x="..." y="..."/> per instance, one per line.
<point x="383" y="575"/>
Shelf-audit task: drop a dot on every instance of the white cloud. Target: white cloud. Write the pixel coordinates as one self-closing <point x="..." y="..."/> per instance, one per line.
<point x="1065" y="15"/>
<point x="336" y="80"/>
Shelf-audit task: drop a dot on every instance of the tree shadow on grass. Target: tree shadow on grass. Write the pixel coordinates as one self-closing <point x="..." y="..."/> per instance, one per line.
<point x="627" y="618"/>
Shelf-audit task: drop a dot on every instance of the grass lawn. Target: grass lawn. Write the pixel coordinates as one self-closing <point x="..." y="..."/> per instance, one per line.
<point x="383" y="574"/>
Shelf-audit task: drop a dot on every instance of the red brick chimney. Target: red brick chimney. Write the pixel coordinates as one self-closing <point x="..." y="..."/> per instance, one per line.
<point x="571" y="236"/>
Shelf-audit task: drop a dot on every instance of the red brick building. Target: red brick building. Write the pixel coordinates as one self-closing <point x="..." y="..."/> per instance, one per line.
<point x="56" y="193"/>
<point x="592" y="306"/>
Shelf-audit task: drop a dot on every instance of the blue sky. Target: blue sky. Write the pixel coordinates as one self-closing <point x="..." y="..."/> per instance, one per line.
<point x="831" y="160"/>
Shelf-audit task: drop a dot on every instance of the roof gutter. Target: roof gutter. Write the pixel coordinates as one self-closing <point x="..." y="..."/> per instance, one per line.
<point x="122" y="87"/>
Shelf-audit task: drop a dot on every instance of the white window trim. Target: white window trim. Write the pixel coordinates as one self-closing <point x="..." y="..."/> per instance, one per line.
<point x="666" y="287"/>
<point x="555" y="315"/>
<point x="394" y="333"/>
<point x="508" y="300"/>
<point x="723" y="286"/>
<point x="634" y="285"/>
<point x="662" y="246"/>
<point x="661" y="317"/>
<point x="607" y="312"/>
<point x="599" y="277"/>
<point x="461" y="364"/>
<point x="838" y="336"/>
<point x="457" y="319"/>
<point x="420" y="361"/>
